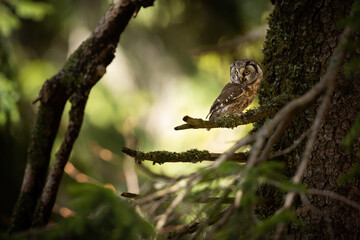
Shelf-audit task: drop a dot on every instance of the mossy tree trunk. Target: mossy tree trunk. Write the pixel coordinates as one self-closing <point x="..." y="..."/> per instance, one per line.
<point x="301" y="38"/>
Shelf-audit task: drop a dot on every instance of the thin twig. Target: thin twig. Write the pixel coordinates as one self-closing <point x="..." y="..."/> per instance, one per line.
<point x="187" y="229"/>
<point x="152" y="174"/>
<point x="162" y="220"/>
<point x="292" y="147"/>
<point x="170" y="190"/>
<point x="335" y="196"/>
<point x="273" y="139"/>
<point x="221" y="222"/>
<point x="283" y="115"/>
<point x="228" y="155"/>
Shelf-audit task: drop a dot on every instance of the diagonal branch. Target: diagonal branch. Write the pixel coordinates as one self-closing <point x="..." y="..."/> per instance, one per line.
<point x="82" y="70"/>
<point x="335" y="196"/>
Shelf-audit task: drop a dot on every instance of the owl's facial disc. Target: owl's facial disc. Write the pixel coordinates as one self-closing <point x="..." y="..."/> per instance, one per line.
<point x="241" y="75"/>
<point x="245" y="71"/>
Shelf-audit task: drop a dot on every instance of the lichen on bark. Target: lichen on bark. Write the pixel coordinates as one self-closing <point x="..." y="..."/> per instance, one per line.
<point x="301" y="37"/>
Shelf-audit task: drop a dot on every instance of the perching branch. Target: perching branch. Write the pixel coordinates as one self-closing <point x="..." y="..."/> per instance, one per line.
<point x="191" y="156"/>
<point x="230" y="120"/>
<point x="81" y="71"/>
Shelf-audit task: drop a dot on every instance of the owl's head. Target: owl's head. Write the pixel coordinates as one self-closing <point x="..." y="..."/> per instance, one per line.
<point x="245" y="71"/>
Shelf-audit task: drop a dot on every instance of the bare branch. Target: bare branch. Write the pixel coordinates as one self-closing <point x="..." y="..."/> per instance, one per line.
<point x="292" y="147"/>
<point x="221" y="221"/>
<point x="191" y="156"/>
<point x="170" y="190"/>
<point x="273" y="139"/>
<point x="230" y="153"/>
<point x="185" y="230"/>
<point x="163" y="217"/>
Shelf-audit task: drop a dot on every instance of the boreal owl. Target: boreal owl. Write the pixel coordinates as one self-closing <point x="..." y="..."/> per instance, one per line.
<point x="245" y="79"/>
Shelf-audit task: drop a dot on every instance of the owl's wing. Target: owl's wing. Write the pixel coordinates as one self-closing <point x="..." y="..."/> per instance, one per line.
<point x="229" y="94"/>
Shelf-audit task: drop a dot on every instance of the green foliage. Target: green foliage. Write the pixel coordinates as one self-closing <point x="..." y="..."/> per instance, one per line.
<point x="8" y="99"/>
<point x="13" y="11"/>
<point x="100" y="214"/>
<point x="218" y="186"/>
<point x="353" y="19"/>
<point x="353" y="65"/>
<point x="266" y="173"/>
<point x="155" y="51"/>
<point x="8" y="22"/>
<point x="32" y="10"/>
<point x="352" y="135"/>
<point x="228" y="168"/>
<point x="261" y="231"/>
<point x="350" y="176"/>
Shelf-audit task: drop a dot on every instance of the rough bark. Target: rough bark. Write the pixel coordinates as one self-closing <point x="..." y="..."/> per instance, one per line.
<point x="302" y="36"/>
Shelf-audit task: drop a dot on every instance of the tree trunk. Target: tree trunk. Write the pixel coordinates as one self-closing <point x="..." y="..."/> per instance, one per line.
<point x="301" y="38"/>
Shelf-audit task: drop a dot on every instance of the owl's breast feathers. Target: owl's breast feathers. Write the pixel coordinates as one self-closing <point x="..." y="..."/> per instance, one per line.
<point x="233" y="98"/>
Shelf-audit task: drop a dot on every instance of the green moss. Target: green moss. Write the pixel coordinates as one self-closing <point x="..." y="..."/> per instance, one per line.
<point x="72" y="72"/>
<point x="22" y="212"/>
<point x="229" y="120"/>
<point x="44" y="133"/>
<point x="161" y="157"/>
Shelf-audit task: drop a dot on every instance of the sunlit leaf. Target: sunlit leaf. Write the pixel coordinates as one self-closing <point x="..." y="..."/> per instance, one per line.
<point x="8" y="21"/>
<point x="33" y="10"/>
<point x="8" y="98"/>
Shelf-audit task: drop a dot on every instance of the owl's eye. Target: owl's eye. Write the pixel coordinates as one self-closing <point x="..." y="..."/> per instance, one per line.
<point x="237" y="72"/>
<point x="246" y="72"/>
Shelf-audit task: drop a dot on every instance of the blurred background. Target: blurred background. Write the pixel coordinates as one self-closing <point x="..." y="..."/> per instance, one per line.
<point x="173" y="59"/>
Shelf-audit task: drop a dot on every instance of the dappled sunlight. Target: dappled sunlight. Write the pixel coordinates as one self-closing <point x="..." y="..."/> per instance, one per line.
<point x="150" y="85"/>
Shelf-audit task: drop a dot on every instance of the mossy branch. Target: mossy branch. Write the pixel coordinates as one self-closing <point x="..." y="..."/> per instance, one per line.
<point x="191" y="156"/>
<point x="232" y="120"/>
<point x="229" y="120"/>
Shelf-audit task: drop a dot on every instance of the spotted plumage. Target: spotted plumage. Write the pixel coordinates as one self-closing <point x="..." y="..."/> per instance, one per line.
<point x="245" y="79"/>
